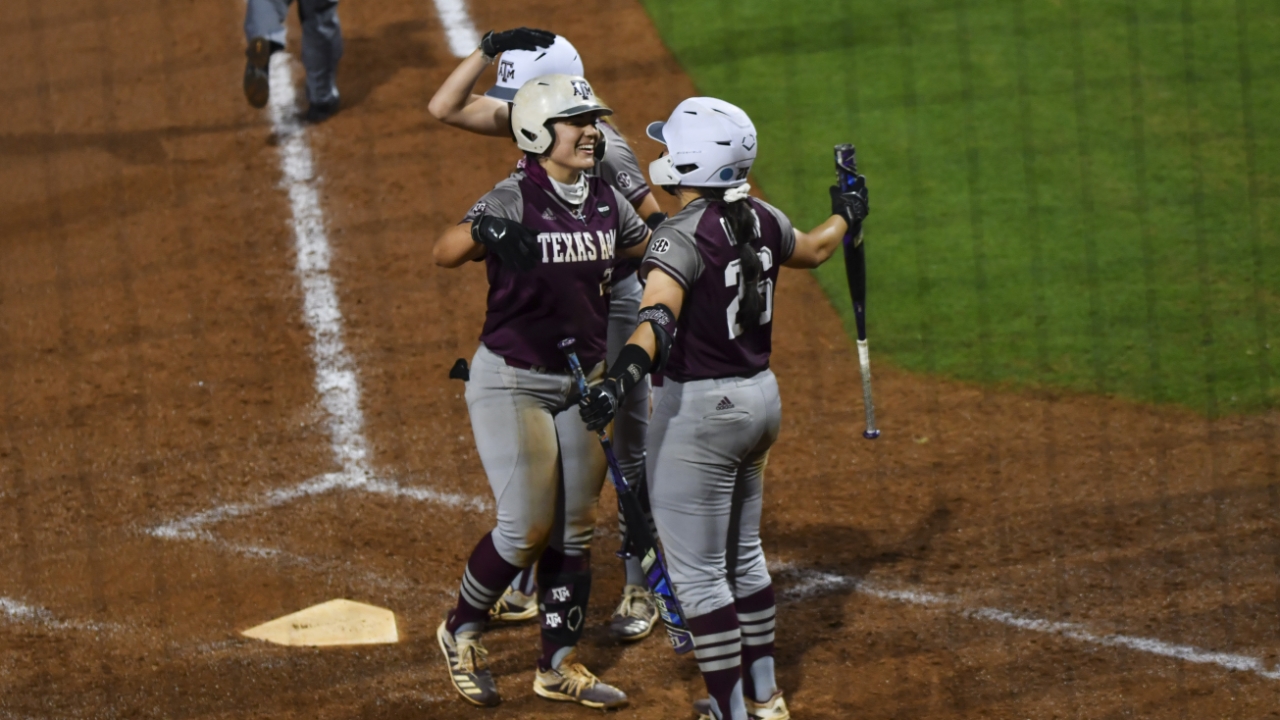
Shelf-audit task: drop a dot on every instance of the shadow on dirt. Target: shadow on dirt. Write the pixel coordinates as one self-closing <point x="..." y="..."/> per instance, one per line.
<point x="132" y="147"/>
<point x="849" y="551"/>
<point x="826" y="551"/>
<point x="368" y="63"/>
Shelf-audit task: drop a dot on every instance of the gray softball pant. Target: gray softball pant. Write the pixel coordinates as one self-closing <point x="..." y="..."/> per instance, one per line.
<point x="708" y="444"/>
<point x="632" y="421"/>
<point x="321" y="39"/>
<point x="545" y="468"/>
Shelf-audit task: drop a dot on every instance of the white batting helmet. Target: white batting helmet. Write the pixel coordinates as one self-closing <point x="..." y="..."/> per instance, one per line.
<point x="545" y="99"/>
<point x="516" y="67"/>
<point x="710" y="143"/>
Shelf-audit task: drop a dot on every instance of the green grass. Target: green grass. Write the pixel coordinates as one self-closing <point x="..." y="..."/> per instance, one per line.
<point x="1080" y="194"/>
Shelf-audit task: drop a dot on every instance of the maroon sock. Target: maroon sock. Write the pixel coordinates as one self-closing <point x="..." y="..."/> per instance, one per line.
<point x="564" y="586"/>
<point x="756" y="617"/>
<point x="718" y="645"/>
<point x="486" y="578"/>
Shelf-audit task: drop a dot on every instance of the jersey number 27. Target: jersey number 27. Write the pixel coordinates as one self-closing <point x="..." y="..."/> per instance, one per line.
<point x="766" y="291"/>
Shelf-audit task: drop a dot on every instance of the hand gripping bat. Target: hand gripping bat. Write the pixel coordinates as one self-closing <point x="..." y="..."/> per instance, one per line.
<point x="641" y="541"/>
<point x="855" y="269"/>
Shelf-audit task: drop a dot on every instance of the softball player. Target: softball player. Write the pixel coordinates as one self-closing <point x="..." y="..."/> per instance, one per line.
<point x="321" y="51"/>
<point x="549" y="235"/>
<point x="711" y="273"/>
<point x="527" y="53"/>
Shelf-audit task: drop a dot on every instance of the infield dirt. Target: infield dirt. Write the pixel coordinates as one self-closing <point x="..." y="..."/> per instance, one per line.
<point x="154" y="363"/>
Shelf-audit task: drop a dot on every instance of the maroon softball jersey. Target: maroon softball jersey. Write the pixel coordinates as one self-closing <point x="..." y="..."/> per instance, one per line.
<point x="566" y="294"/>
<point x="693" y="247"/>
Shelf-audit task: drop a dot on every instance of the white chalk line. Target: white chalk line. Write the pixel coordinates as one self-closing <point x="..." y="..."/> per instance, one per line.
<point x="193" y="527"/>
<point x="336" y="379"/>
<point x="459" y="30"/>
<point x="810" y="583"/>
<point x="18" y="612"/>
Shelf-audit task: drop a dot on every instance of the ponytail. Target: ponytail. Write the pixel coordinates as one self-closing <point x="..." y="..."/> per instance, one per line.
<point x="740" y="224"/>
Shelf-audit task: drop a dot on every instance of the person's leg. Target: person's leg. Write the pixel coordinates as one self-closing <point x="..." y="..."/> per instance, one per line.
<point x="564" y="570"/>
<point x="321" y="51"/>
<point x="752" y="585"/>
<point x="515" y="438"/>
<point x="637" y="612"/>
<point x="264" y="34"/>
<point x="265" y="19"/>
<point x="696" y="453"/>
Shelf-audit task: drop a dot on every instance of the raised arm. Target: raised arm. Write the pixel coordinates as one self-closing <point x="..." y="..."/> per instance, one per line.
<point x="848" y="210"/>
<point x="816" y="246"/>
<point x="455" y="104"/>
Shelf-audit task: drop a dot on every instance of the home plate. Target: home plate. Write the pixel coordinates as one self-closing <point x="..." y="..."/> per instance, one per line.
<point x="337" y="622"/>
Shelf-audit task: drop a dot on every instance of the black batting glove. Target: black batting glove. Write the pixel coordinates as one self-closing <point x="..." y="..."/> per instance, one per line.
<point x="852" y="205"/>
<point x="521" y="38"/>
<point x="600" y="404"/>
<point x="515" y="245"/>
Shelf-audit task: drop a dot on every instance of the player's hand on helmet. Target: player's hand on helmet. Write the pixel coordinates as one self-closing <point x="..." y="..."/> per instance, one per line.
<point x="600" y="404"/>
<point x="515" y="245"/>
<point x="521" y="38"/>
<point x="853" y="205"/>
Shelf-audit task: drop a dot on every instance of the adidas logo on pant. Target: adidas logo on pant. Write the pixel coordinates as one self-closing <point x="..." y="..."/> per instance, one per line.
<point x="724" y="404"/>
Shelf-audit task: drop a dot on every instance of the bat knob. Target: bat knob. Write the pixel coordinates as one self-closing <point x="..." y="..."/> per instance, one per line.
<point x="871" y="434"/>
<point x="566" y="344"/>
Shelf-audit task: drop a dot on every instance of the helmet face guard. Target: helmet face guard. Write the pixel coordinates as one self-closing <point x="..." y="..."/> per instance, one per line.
<point x="516" y="67"/>
<point x="662" y="172"/>
<point x="710" y="143"/>
<point x="542" y="101"/>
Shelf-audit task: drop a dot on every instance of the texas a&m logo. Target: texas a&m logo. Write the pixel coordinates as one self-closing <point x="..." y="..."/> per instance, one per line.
<point x="581" y="89"/>
<point x="553" y="620"/>
<point x="506" y="70"/>
<point x="560" y="594"/>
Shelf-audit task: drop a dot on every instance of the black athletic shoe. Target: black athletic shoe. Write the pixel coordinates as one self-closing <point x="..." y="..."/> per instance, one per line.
<point x="468" y="666"/>
<point x="257" y="84"/>
<point x="319" y="112"/>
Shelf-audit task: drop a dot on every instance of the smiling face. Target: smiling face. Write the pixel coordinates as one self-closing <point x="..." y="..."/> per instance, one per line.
<point x="574" y="149"/>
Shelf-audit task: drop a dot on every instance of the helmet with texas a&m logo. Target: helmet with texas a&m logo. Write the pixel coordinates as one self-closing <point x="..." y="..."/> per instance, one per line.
<point x="517" y="67"/>
<point x="546" y="99"/>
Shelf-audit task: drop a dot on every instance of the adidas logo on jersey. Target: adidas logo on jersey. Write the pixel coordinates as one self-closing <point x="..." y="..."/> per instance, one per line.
<point x="724" y="404"/>
<point x="548" y="214"/>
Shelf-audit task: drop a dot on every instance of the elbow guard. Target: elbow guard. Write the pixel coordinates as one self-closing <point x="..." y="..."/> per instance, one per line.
<point x="663" y="321"/>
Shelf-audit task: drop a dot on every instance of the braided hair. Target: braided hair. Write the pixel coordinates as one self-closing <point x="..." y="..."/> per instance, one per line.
<point x="741" y="224"/>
